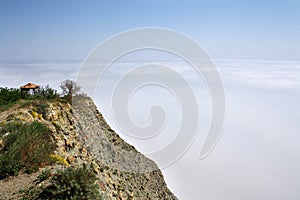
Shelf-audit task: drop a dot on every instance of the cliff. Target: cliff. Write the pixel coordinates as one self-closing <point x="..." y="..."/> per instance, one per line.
<point x="81" y="135"/>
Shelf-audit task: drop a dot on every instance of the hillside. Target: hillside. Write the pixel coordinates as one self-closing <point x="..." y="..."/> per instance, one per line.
<point x="78" y="136"/>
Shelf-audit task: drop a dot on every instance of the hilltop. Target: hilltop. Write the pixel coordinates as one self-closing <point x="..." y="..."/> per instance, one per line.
<point x="44" y="138"/>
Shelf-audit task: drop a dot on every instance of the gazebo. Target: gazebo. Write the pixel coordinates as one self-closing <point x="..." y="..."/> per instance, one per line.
<point x="30" y="87"/>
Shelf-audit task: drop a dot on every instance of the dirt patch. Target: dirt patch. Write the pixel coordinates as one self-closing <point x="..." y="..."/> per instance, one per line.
<point x="13" y="184"/>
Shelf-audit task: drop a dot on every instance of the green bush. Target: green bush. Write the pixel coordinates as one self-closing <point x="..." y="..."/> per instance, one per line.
<point x="41" y="107"/>
<point x="73" y="184"/>
<point x="27" y="146"/>
<point x="46" y="93"/>
<point x="9" y="96"/>
<point x="10" y="127"/>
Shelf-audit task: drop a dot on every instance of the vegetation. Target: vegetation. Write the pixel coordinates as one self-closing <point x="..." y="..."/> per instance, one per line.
<point x="41" y="107"/>
<point x="70" y="183"/>
<point x="69" y="89"/>
<point x="9" y="96"/>
<point x="27" y="146"/>
<point x="46" y="93"/>
<point x="59" y="159"/>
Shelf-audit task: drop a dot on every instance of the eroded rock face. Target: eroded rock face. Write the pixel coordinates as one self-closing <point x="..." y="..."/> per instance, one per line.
<point x="126" y="172"/>
<point x="82" y="136"/>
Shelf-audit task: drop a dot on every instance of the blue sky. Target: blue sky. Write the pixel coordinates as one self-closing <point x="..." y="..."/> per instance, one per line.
<point x="226" y="29"/>
<point x="257" y="156"/>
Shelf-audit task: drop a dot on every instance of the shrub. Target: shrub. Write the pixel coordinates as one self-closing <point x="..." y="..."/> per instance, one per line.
<point x="26" y="104"/>
<point x="72" y="184"/>
<point x="42" y="108"/>
<point x="59" y="159"/>
<point x="46" y="93"/>
<point x="69" y="89"/>
<point x="10" y="127"/>
<point x="9" y="96"/>
<point x="27" y="146"/>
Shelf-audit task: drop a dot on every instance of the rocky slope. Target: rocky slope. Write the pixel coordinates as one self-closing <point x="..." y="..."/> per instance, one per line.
<point x="81" y="136"/>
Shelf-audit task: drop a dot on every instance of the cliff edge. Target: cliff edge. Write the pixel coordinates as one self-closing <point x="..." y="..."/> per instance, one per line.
<point x="81" y="136"/>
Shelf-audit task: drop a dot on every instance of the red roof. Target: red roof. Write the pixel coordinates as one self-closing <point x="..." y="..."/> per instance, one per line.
<point x="30" y="86"/>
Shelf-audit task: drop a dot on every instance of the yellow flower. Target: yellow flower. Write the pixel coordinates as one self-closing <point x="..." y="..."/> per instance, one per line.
<point x="59" y="159"/>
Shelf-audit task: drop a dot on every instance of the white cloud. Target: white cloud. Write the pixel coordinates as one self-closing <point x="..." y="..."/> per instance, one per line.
<point x="258" y="154"/>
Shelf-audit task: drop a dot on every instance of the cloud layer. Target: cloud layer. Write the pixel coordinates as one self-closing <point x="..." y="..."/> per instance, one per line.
<point x="258" y="154"/>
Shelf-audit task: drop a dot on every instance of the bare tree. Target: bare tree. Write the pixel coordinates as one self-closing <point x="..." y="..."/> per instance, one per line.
<point x="69" y="88"/>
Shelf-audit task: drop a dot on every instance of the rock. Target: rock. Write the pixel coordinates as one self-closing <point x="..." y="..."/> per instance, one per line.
<point x="70" y="159"/>
<point x="101" y="185"/>
<point x="82" y="135"/>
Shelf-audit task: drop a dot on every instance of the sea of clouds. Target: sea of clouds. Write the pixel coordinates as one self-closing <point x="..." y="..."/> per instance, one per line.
<point x="257" y="156"/>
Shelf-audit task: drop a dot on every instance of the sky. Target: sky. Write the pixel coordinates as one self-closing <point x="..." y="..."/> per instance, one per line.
<point x="254" y="45"/>
<point x="249" y="29"/>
